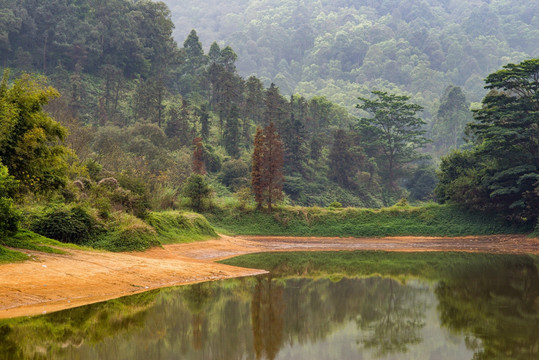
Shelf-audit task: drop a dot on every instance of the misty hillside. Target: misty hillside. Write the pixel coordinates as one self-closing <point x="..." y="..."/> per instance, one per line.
<point x="342" y="49"/>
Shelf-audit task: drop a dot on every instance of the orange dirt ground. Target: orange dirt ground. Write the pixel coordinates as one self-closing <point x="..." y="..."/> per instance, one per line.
<point x="52" y="282"/>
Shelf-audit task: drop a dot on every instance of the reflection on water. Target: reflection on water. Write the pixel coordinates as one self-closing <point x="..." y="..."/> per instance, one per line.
<point x="484" y="311"/>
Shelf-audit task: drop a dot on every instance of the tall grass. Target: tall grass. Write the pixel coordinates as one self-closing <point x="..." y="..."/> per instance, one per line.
<point x="427" y="220"/>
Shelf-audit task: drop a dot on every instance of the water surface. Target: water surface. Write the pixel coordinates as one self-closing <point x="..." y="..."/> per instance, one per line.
<point x="484" y="311"/>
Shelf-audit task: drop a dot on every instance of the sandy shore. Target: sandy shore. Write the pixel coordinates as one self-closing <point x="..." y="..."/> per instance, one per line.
<point x="52" y="282"/>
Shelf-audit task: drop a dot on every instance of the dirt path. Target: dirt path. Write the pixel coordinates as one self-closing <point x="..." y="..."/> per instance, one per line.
<point x="53" y="282"/>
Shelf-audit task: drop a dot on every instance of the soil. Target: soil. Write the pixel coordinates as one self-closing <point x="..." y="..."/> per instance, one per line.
<point x="52" y="282"/>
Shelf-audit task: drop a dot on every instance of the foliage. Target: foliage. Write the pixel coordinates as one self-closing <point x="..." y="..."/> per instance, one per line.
<point x="450" y="120"/>
<point x="422" y="183"/>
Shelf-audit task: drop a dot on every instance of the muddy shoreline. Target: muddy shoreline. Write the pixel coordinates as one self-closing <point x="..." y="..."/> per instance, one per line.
<point x="52" y="282"/>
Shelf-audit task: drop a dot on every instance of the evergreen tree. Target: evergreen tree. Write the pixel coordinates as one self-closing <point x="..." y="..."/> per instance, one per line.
<point x="450" y="120"/>
<point x="178" y="123"/>
<point x="276" y="109"/>
<point x="232" y="133"/>
<point x="197" y="190"/>
<point x="204" y="118"/>
<point x="254" y="100"/>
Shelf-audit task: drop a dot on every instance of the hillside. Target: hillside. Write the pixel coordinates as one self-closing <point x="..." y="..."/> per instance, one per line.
<point x="343" y="49"/>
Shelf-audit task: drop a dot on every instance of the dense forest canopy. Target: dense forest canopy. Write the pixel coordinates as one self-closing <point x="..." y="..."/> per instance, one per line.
<point x="344" y="49"/>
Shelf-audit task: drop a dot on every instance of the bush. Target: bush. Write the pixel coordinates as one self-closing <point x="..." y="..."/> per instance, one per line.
<point x="134" y="238"/>
<point x="9" y="216"/>
<point x="335" y="205"/>
<point x="128" y="233"/>
<point x="69" y="225"/>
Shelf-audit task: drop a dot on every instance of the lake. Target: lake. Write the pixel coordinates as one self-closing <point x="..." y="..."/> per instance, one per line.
<point x="480" y="312"/>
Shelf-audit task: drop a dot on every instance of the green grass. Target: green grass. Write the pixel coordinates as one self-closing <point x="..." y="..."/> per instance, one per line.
<point x="129" y="233"/>
<point x="10" y="256"/>
<point x="427" y="220"/>
<point x="180" y="227"/>
<point x="25" y="239"/>
<point x="427" y="265"/>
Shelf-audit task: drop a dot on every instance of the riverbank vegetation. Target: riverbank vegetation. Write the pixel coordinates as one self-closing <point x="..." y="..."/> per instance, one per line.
<point x="399" y="220"/>
<point x="115" y="152"/>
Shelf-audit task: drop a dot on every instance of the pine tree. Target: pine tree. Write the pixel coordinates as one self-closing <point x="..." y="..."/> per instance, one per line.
<point x="231" y="136"/>
<point x="267" y="174"/>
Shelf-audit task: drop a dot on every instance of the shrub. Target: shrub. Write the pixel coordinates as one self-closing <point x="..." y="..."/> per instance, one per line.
<point x="174" y="226"/>
<point x="128" y="233"/>
<point x="69" y="225"/>
<point x="9" y="216"/>
<point x="134" y="238"/>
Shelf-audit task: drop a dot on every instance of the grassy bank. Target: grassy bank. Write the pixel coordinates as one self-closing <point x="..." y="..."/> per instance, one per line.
<point x="175" y="227"/>
<point x="120" y="232"/>
<point x="428" y="220"/>
<point x="427" y="265"/>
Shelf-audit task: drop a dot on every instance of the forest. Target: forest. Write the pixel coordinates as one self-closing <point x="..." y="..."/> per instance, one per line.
<point x="114" y="110"/>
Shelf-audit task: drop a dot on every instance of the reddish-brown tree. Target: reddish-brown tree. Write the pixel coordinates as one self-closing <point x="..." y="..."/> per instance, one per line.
<point x="198" y="157"/>
<point x="256" y="173"/>
<point x="272" y="175"/>
<point x="267" y="175"/>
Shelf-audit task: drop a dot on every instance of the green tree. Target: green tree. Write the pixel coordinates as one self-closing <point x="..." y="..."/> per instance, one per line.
<point x="394" y="129"/>
<point x="345" y="158"/>
<point x="231" y="136"/>
<point x="506" y="155"/>
<point x="197" y="190"/>
<point x="29" y="138"/>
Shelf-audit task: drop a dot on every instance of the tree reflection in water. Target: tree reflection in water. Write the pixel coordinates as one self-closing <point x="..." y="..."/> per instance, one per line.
<point x="496" y="306"/>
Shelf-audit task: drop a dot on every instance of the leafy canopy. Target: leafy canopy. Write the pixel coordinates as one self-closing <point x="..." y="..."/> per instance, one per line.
<point x="505" y="162"/>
